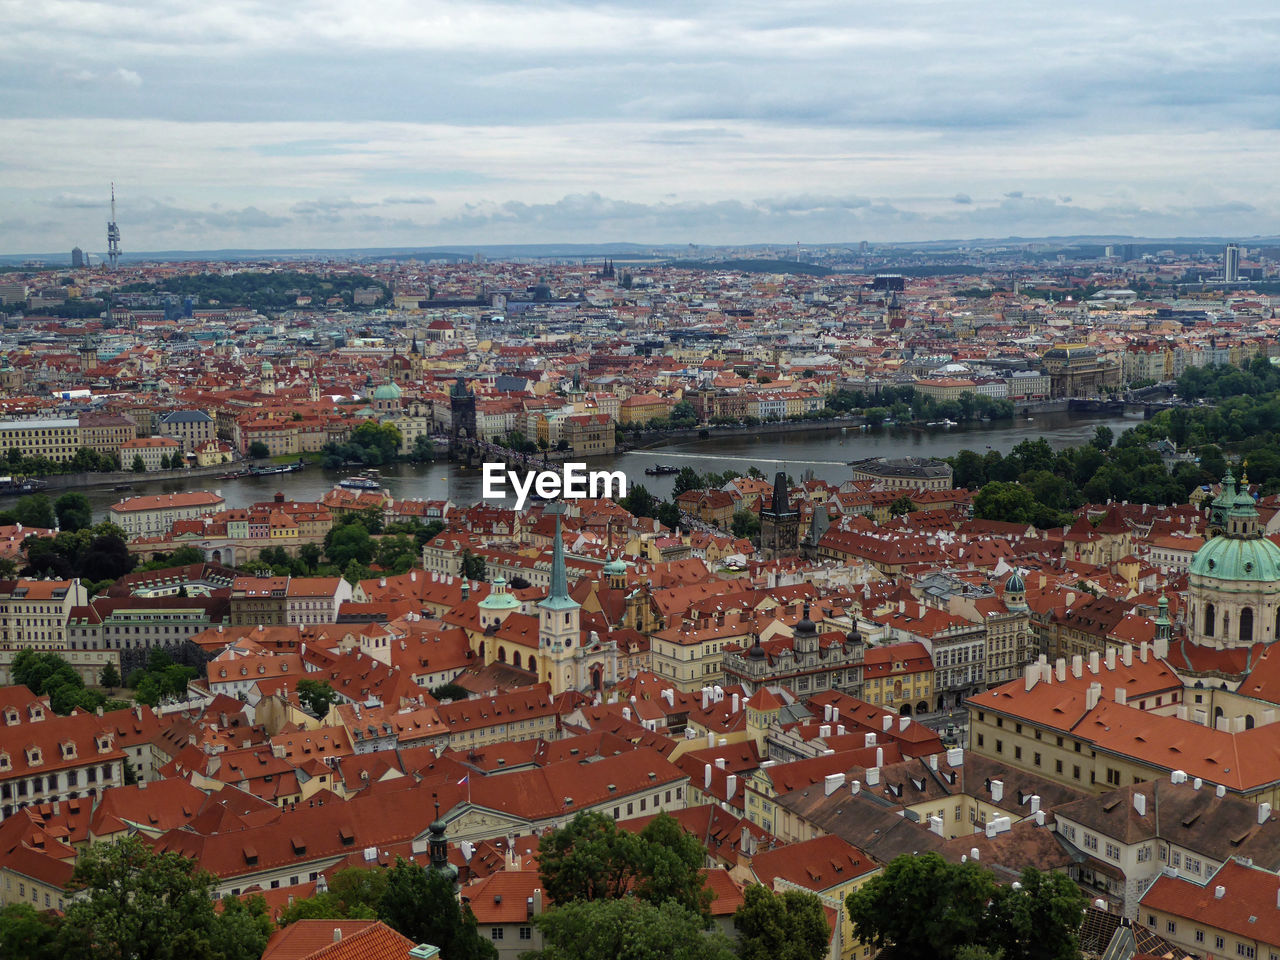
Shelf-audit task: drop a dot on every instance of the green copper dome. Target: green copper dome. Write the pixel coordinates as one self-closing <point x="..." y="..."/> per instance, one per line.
<point x="1234" y="558"/>
<point x="616" y="566"/>
<point x="498" y="598"/>
<point x="386" y="391"/>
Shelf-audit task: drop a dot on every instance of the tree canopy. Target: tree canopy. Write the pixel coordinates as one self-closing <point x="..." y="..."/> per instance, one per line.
<point x="924" y="906"/>
<point x="627" y="929"/>
<point x="785" y="926"/>
<point x="144" y="906"/>
<point x="590" y="858"/>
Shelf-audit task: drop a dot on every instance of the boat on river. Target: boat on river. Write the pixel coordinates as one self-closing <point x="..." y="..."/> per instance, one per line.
<point x="660" y="470"/>
<point x="366" y="480"/>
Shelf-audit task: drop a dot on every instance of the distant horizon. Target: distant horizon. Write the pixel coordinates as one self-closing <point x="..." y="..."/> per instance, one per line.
<point x="624" y="247"/>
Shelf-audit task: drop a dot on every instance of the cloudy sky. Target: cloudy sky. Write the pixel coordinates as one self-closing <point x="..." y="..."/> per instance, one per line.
<point x="238" y="123"/>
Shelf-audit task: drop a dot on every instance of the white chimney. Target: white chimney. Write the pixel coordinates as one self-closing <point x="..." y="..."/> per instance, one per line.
<point x="1031" y="675"/>
<point x="1219" y="892"/>
<point x="730" y="786"/>
<point x="824" y="731"/>
<point x="955" y="756"/>
<point x="735" y="704"/>
<point x="1077" y="666"/>
<point x="1039" y="815"/>
<point x="706" y="776"/>
<point x="826" y="713"/>
<point x="997" y="791"/>
<point x="1127" y="657"/>
<point x="933" y="762"/>
<point x="1142" y="651"/>
<point x="1091" y="695"/>
<point x="879" y="756"/>
<point x="887" y="724"/>
<point x="1140" y="804"/>
<point x="711" y="739"/>
<point x="1034" y="802"/>
<point x="903" y="723"/>
<point x="1094" y="660"/>
<point x="1111" y="658"/>
<point x="1122" y="696"/>
<point x="831" y="783"/>
<point x="855" y="787"/>
<point x="873" y="777"/>
<point x="1178" y="776"/>
<point x="935" y="825"/>
<point x="337" y="934"/>
<point x="973" y="853"/>
<point x="721" y="763"/>
<point x="1197" y="783"/>
<point x="626" y="713"/>
<point x="1264" y="812"/>
<point x="870" y="740"/>
<point x="1220" y="791"/>
<point x="839" y="729"/>
<point x="1061" y="669"/>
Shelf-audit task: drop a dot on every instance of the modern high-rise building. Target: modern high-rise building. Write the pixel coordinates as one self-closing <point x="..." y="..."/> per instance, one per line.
<point x="1231" y="263"/>
<point x="77" y="258"/>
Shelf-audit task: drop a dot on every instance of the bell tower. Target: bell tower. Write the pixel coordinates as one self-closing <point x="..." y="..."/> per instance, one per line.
<point x="559" y="624"/>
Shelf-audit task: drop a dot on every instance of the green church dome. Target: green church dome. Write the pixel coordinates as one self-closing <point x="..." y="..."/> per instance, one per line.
<point x="498" y="598"/>
<point x="1234" y="558"/>
<point x="617" y="566"/>
<point x="386" y="391"/>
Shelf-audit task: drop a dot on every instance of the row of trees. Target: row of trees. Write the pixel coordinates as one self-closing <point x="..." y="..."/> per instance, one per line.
<point x="85" y="460"/>
<point x="356" y="542"/>
<point x="71" y="511"/>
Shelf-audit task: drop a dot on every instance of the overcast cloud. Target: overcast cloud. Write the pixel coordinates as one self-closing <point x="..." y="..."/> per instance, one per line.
<point x="332" y="123"/>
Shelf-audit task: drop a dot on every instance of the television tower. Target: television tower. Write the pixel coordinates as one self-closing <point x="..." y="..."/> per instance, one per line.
<point x="113" y="232"/>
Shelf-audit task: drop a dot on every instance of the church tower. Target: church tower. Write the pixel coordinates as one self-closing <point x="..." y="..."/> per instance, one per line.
<point x="559" y="626"/>
<point x="779" y="523"/>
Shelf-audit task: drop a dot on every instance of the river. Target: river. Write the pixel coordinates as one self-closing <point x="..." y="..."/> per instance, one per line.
<point x="826" y="454"/>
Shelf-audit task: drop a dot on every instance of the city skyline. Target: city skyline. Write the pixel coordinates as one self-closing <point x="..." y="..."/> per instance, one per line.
<point x="270" y="126"/>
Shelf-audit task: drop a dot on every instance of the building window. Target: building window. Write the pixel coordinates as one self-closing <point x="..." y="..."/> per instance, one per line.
<point x="495" y="933"/>
<point x="526" y="933"/>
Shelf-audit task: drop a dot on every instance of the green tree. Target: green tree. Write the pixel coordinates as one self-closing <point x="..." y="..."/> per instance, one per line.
<point x="73" y="510"/>
<point x="138" y="905"/>
<point x="164" y="461"/>
<point x="420" y="904"/>
<point x="1038" y="920"/>
<point x="354" y="893"/>
<point x="316" y="695"/>
<point x="1103" y="437"/>
<point x="27" y="934"/>
<point x="686" y="479"/>
<point x="383" y="437"/>
<point x="109" y="677"/>
<point x="901" y="506"/>
<point x="745" y="524"/>
<point x="450" y="691"/>
<point x="34" y="510"/>
<point x="786" y="926"/>
<point x="348" y="542"/>
<point x="473" y="566"/>
<point x="590" y="858"/>
<point x="921" y="906"/>
<point x="258" y="450"/>
<point x="138" y="466"/>
<point x="627" y="929"/>
<point x="639" y="502"/>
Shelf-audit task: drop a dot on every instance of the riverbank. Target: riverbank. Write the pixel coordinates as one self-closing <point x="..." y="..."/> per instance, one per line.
<point x="653" y="439"/>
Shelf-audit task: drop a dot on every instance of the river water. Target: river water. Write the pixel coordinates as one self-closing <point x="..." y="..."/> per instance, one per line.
<point x="826" y="454"/>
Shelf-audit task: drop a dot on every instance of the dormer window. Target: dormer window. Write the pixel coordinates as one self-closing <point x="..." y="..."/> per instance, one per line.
<point x="5" y="764"/>
<point x="68" y="750"/>
<point x="37" y="712"/>
<point x="11" y="717"/>
<point x="33" y="756"/>
<point x="104" y="744"/>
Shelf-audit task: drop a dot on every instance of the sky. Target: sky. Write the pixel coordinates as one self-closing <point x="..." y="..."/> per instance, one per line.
<point x="330" y="123"/>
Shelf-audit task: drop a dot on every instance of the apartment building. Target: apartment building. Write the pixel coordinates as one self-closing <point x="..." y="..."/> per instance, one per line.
<point x="155" y="514"/>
